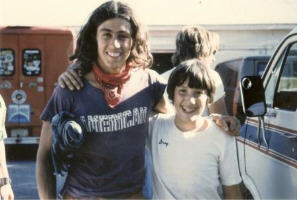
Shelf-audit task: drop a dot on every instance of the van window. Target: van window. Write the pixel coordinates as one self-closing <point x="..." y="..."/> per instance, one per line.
<point x="261" y="67"/>
<point x="7" y="62"/>
<point x="228" y="72"/>
<point x="286" y="94"/>
<point x="31" y="62"/>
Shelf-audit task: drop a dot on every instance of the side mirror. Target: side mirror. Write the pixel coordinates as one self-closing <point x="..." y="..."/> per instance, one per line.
<point x="252" y="96"/>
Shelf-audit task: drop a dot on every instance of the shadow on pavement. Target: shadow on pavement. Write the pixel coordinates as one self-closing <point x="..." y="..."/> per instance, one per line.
<point x="21" y="152"/>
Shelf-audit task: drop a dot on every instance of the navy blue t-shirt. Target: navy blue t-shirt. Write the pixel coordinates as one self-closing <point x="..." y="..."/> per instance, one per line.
<point x="111" y="161"/>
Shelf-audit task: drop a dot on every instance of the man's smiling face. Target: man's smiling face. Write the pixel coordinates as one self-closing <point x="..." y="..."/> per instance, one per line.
<point x="114" y="44"/>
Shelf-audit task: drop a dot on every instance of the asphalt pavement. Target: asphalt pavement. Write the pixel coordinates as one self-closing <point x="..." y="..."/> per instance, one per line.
<point x="21" y="167"/>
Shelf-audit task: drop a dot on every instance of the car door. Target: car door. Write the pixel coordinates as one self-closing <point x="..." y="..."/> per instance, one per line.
<point x="270" y="156"/>
<point x="281" y="119"/>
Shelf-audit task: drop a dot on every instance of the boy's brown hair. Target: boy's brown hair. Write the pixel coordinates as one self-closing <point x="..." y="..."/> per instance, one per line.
<point x="198" y="74"/>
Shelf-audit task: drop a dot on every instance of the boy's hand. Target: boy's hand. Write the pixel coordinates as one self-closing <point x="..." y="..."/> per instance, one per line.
<point x="229" y="124"/>
<point x="70" y="79"/>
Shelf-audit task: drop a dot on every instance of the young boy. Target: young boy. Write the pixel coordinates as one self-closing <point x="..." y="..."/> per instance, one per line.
<point x="197" y="42"/>
<point x="190" y="154"/>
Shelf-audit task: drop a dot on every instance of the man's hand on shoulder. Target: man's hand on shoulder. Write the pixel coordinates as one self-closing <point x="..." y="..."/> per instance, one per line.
<point x="71" y="78"/>
<point x="228" y="123"/>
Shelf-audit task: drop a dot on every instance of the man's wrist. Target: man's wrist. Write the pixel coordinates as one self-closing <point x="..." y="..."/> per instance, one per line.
<point x="4" y="181"/>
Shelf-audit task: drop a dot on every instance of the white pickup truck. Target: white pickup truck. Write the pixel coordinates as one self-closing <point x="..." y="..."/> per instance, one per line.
<point x="267" y="146"/>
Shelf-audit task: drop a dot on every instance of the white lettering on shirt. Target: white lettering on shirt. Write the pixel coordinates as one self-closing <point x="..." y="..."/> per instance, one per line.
<point x="115" y="122"/>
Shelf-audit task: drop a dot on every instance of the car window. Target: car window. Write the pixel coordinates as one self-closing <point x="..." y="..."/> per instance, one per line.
<point x="272" y="81"/>
<point x="31" y="62"/>
<point x="286" y="93"/>
<point x="228" y="72"/>
<point x="261" y="67"/>
<point x="7" y="62"/>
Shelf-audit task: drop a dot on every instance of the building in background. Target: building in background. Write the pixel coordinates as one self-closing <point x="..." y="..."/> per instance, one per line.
<point x="235" y="41"/>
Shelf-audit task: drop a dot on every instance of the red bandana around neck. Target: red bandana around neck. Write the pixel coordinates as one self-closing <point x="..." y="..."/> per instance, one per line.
<point x="111" y="84"/>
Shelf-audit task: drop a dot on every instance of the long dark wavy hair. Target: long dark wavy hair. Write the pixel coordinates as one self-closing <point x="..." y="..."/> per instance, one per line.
<point x="86" y="52"/>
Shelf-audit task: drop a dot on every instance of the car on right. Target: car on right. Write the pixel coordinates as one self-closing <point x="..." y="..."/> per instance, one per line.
<point x="231" y="72"/>
<point x="267" y="145"/>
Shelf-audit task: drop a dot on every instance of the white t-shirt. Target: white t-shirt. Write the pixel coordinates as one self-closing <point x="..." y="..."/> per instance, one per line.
<point x="2" y="119"/>
<point x="219" y="92"/>
<point x="190" y="165"/>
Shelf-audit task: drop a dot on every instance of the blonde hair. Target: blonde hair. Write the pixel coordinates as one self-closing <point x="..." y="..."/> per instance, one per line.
<point x="214" y="40"/>
<point x="194" y="42"/>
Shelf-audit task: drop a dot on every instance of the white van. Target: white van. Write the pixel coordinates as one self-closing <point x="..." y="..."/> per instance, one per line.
<point x="267" y="146"/>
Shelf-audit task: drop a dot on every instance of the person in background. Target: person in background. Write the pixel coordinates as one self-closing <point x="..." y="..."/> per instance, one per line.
<point x="191" y="156"/>
<point x="198" y="42"/>
<point x="5" y="186"/>
<point x="114" y="105"/>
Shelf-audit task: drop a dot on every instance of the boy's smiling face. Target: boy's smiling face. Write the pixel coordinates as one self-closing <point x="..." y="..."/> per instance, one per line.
<point x="189" y="104"/>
